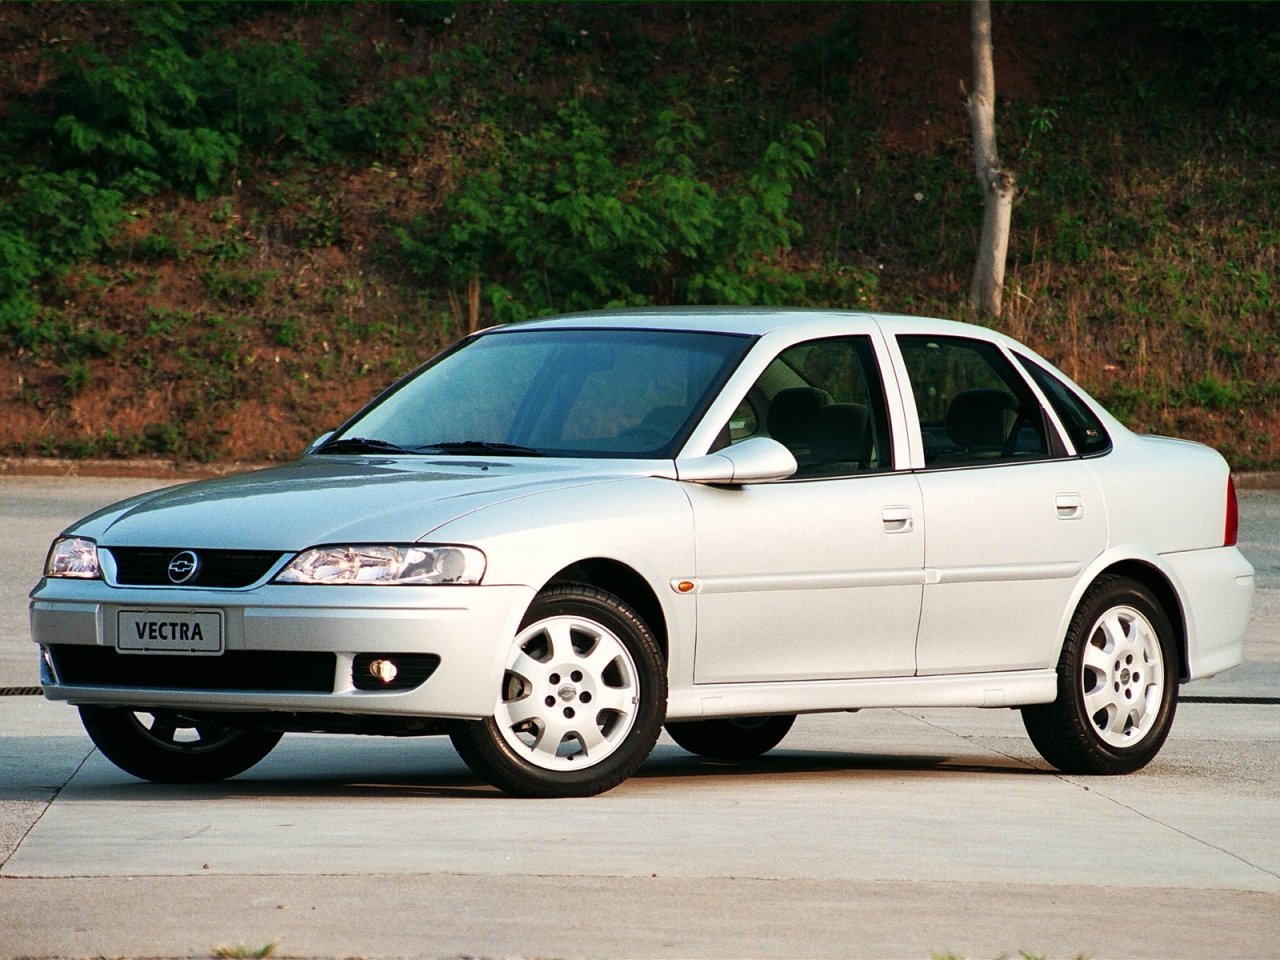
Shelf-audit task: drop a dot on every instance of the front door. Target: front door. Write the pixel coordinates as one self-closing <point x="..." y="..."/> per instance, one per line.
<point x="818" y="577"/>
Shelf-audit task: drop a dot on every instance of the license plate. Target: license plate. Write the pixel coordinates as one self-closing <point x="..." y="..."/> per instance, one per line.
<point x="169" y="631"/>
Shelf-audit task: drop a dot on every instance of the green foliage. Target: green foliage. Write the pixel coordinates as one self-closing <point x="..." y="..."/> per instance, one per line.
<point x="238" y="287"/>
<point x="557" y="156"/>
<point x="174" y="109"/>
<point x="1227" y="51"/>
<point x="241" y="952"/>
<point x="19" y="261"/>
<point x="587" y="211"/>
<point x="76" y="377"/>
<point x="286" y="332"/>
<point x="53" y="219"/>
<point x="825" y="62"/>
<point x="141" y="122"/>
<point x="67" y="214"/>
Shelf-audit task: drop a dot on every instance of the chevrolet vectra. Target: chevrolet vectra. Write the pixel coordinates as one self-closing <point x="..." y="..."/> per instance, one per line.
<point x="556" y="537"/>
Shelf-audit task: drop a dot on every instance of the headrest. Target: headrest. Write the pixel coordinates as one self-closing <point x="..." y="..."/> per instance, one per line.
<point x="840" y="434"/>
<point x="981" y="418"/>
<point x="791" y="413"/>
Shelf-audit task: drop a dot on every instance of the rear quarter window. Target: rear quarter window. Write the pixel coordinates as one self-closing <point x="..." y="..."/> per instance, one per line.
<point x="1088" y="435"/>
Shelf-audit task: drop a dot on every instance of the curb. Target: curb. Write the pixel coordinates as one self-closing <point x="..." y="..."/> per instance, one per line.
<point x="111" y="469"/>
<point x="1266" y="480"/>
<point x="176" y="470"/>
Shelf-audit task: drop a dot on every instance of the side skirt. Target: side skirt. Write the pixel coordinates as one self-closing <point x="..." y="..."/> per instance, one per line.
<point x="1008" y="689"/>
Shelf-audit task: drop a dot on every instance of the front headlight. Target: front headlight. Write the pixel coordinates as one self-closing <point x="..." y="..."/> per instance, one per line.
<point x="73" y="557"/>
<point x="385" y="565"/>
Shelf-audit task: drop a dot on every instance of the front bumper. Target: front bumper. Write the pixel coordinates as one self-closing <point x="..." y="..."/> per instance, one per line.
<point x="278" y="630"/>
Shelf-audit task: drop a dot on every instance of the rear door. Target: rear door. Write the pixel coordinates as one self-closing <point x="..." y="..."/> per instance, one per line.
<point x="1012" y="518"/>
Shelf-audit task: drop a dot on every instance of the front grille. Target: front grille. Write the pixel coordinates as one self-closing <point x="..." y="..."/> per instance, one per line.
<point x="248" y="670"/>
<point x="149" y="566"/>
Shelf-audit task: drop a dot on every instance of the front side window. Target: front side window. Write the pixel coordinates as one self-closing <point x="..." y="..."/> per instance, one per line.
<point x="824" y="401"/>
<point x="974" y="407"/>
<point x="570" y="393"/>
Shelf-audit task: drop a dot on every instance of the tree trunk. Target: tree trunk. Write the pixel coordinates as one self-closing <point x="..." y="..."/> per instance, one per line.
<point x="998" y="186"/>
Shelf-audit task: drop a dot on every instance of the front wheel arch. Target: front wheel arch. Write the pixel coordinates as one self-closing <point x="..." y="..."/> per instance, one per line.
<point x="625" y="583"/>
<point x="582" y="699"/>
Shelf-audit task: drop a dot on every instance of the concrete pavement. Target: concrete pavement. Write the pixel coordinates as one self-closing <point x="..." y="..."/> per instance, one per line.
<point x="887" y="833"/>
<point x="892" y="833"/>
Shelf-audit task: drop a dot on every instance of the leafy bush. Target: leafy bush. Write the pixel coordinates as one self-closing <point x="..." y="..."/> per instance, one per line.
<point x="53" y="218"/>
<point x="175" y="108"/>
<point x="1227" y="51"/>
<point x="584" y="212"/>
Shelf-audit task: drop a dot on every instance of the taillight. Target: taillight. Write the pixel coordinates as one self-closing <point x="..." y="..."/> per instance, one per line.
<point x="1233" y="515"/>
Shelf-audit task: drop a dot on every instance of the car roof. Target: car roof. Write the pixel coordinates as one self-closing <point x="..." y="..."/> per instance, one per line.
<point x="750" y="321"/>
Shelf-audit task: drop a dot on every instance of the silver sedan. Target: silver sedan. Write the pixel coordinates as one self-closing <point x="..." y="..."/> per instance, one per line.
<point x="558" y="536"/>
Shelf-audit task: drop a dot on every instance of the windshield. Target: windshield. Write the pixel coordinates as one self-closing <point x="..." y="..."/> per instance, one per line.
<point x="564" y="393"/>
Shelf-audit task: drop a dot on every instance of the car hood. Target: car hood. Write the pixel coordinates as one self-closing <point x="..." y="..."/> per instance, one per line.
<point x="321" y="500"/>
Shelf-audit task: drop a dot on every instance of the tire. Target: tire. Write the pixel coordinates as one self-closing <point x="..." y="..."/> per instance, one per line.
<point x="160" y="746"/>
<point x="731" y="738"/>
<point x="582" y="700"/>
<point x="1117" y="684"/>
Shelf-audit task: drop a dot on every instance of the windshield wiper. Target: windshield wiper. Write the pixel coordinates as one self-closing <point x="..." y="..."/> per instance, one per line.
<point x="479" y="446"/>
<point x="361" y="445"/>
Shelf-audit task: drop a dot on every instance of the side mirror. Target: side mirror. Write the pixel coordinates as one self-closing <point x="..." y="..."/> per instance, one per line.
<point x="757" y="460"/>
<point x="315" y="444"/>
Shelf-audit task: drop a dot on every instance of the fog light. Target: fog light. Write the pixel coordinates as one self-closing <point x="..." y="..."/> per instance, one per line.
<point x="383" y="670"/>
<point x="386" y="670"/>
<point x="47" y="673"/>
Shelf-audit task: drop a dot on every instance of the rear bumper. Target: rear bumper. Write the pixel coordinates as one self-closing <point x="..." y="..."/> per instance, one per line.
<point x="281" y="629"/>
<point x="1217" y="590"/>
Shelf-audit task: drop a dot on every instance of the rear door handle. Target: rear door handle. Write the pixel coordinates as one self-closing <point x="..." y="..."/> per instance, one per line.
<point x="897" y="519"/>
<point x="1070" y="506"/>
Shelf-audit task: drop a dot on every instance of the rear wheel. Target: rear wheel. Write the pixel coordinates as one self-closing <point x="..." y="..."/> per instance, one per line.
<point x="581" y="702"/>
<point x="1117" y="684"/>
<point x="731" y="738"/>
<point x="163" y="746"/>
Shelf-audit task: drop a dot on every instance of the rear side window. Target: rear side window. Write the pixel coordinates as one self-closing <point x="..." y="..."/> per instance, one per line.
<point x="1087" y="433"/>
<point x="974" y="406"/>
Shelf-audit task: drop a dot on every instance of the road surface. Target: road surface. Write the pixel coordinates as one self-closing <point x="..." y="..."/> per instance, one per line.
<point x="893" y="833"/>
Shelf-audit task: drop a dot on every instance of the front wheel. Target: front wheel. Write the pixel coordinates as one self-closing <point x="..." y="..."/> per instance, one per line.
<point x="164" y="747"/>
<point x="1117" y="685"/>
<point x="731" y="738"/>
<point x="582" y="699"/>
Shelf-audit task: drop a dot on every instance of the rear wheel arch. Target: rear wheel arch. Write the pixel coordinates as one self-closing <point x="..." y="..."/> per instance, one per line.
<point x="624" y="583"/>
<point x="1155" y="580"/>
<point x="1116" y="682"/>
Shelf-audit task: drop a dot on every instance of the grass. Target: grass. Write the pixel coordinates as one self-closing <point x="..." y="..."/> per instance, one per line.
<point x="241" y="952"/>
